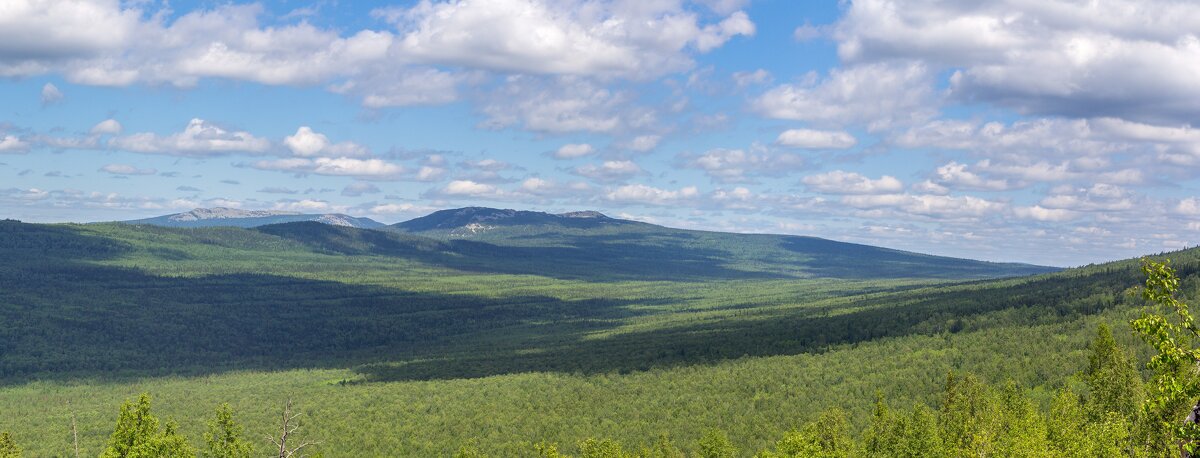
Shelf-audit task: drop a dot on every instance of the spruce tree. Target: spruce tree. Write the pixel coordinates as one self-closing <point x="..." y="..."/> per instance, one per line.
<point x="716" y="444"/>
<point x="1113" y="381"/>
<point x="224" y="436"/>
<point x="137" y="435"/>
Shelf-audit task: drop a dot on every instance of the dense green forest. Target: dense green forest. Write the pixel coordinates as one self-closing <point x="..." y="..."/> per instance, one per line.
<point x="394" y="343"/>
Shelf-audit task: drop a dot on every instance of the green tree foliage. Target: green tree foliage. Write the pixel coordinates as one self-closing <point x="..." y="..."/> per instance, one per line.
<point x="827" y="437"/>
<point x="1173" y="335"/>
<point x="224" y="436"/>
<point x="469" y="451"/>
<point x="968" y="420"/>
<point x="1115" y="386"/>
<point x="8" y="447"/>
<point x="602" y="448"/>
<point x="716" y="444"/>
<point x="138" y="435"/>
<point x="548" y="450"/>
<point x="664" y="447"/>
<point x="921" y="437"/>
<point x="1022" y="430"/>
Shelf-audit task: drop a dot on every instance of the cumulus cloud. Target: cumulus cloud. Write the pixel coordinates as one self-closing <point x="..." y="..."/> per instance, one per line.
<point x="816" y="139"/>
<point x="51" y="94"/>
<point x="468" y="188"/>
<point x="561" y="105"/>
<point x="573" y="37"/>
<point x="957" y="176"/>
<point x="11" y="144"/>
<point x="374" y="169"/>
<point x="1056" y="58"/>
<point x="736" y="165"/>
<point x="840" y="182"/>
<point x="1040" y="213"/>
<point x="1100" y="197"/>
<point x="107" y="126"/>
<point x="573" y="150"/>
<point x="199" y="138"/>
<point x="933" y="206"/>
<point x="609" y="170"/>
<point x="308" y="206"/>
<point x="126" y="169"/>
<point x="307" y="143"/>
<point x="434" y="48"/>
<point x="644" y="143"/>
<point x="406" y="87"/>
<point x="648" y="195"/>
<point x="879" y="96"/>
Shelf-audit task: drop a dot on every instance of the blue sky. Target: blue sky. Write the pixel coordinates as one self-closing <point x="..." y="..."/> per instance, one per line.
<point x="1054" y="132"/>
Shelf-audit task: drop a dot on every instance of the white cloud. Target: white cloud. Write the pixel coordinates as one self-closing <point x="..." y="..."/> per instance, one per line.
<point x="1100" y="197"/>
<point x="933" y="206"/>
<point x="487" y="165"/>
<point x="561" y="37"/>
<point x="344" y="166"/>
<point x="107" y="126"/>
<point x="929" y="187"/>
<point x="307" y="143"/>
<point x="760" y="76"/>
<point x="36" y="34"/>
<point x="1122" y="58"/>
<point x="561" y="105"/>
<point x="51" y="94"/>
<point x="573" y="150"/>
<point x="649" y="195"/>
<point x="126" y="169"/>
<point x="879" y="96"/>
<point x="428" y="173"/>
<point x="405" y="87"/>
<point x="735" y="165"/>
<point x="1039" y="213"/>
<point x="372" y="169"/>
<point x="468" y="188"/>
<point x="199" y="138"/>
<point x="957" y="176"/>
<point x="840" y="182"/>
<point x="309" y="206"/>
<point x="391" y="209"/>
<point x="1189" y="206"/>
<point x="535" y="185"/>
<point x="816" y="139"/>
<point x="609" y="170"/>
<point x="12" y="144"/>
<point x="644" y="143"/>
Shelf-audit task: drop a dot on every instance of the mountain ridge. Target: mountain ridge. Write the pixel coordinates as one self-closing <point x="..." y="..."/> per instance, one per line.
<point x="234" y="217"/>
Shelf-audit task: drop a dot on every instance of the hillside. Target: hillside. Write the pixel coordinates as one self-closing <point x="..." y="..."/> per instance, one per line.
<point x="592" y="236"/>
<point x="335" y="315"/>
<point x="232" y="217"/>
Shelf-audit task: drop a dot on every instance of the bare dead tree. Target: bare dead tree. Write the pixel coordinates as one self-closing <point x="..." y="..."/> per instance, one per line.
<point x="287" y="431"/>
<point x="74" y="431"/>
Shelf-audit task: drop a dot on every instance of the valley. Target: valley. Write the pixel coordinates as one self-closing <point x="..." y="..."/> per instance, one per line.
<point x="428" y="339"/>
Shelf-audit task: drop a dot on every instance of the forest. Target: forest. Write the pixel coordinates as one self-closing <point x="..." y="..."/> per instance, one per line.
<point x="391" y="343"/>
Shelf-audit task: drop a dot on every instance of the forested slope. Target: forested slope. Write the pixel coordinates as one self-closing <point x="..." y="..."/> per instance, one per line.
<point x="433" y="333"/>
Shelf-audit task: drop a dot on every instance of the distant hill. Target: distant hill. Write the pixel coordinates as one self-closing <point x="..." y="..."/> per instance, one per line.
<point x="631" y="246"/>
<point x="221" y="216"/>
<point x="479" y="220"/>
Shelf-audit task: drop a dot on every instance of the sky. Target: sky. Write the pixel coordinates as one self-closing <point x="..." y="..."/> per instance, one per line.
<point x="1056" y="132"/>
